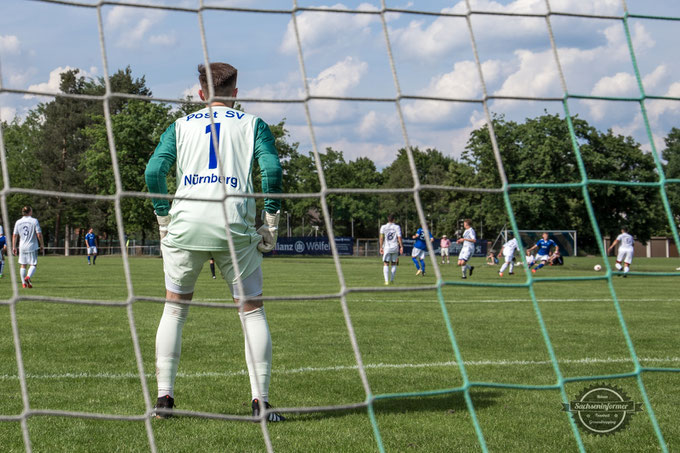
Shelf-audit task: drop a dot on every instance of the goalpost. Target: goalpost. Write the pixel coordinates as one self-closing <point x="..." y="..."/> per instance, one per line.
<point x="370" y="397"/>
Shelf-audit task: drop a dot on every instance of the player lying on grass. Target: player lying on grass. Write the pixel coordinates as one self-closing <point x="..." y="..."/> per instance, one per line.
<point x="626" y="249"/>
<point x="214" y="150"/>
<point x="508" y="252"/>
<point x="391" y="246"/>
<point x="544" y="247"/>
<point x="468" y="240"/>
<point x="419" y="249"/>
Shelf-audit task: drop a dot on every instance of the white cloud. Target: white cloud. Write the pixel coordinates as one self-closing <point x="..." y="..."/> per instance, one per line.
<point x="537" y="75"/>
<point x="192" y="91"/>
<point x="7" y="113"/>
<point x="132" y="24"/>
<point x="54" y="80"/>
<point x="463" y="82"/>
<point x="336" y="80"/>
<point x="163" y="40"/>
<point x="318" y="29"/>
<point x="9" y="44"/>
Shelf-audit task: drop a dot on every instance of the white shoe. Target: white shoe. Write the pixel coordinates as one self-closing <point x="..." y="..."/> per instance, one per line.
<point x="419" y="272"/>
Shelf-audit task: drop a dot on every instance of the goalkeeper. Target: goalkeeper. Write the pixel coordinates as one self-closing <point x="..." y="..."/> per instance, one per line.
<point x="214" y="150"/>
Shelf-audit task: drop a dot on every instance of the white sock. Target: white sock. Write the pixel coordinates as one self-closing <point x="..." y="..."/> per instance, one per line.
<point x="22" y="272"/>
<point x="512" y="267"/>
<point x="503" y="268"/>
<point x="626" y="269"/>
<point x="386" y="273"/>
<point x="394" y="271"/>
<point x="618" y="266"/>
<point x="260" y="364"/>
<point x="169" y="346"/>
<point x="31" y="271"/>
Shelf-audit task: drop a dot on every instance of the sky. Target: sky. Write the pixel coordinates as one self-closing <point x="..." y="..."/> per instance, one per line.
<point x="345" y="55"/>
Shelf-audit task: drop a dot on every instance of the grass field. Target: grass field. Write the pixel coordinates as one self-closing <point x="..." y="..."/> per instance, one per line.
<point x="80" y="358"/>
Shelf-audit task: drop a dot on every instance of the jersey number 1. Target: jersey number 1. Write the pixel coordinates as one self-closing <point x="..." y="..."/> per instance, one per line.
<point x="213" y="141"/>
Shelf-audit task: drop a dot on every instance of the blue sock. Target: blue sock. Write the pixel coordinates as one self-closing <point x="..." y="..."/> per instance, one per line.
<point x="94" y="260"/>
<point x="422" y="265"/>
<point x="415" y="261"/>
<point x="540" y="266"/>
<point x="88" y="258"/>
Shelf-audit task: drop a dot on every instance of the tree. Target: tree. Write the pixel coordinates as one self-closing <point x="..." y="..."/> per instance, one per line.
<point x="540" y="151"/>
<point x="671" y="154"/>
<point x="137" y="128"/>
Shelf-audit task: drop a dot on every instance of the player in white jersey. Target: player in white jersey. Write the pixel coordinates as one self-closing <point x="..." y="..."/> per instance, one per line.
<point x="391" y="246"/>
<point x="468" y="240"/>
<point x="508" y="252"/>
<point x="215" y="150"/>
<point x="626" y="249"/>
<point x="29" y="235"/>
<point x="530" y="259"/>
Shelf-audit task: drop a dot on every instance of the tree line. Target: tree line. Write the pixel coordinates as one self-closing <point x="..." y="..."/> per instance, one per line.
<point x="62" y="146"/>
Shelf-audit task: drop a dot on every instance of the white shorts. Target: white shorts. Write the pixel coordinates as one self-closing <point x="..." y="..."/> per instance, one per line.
<point x="182" y="268"/>
<point x="465" y="253"/>
<point x="625" y="256"/>
<point x="390" y="257"/>
<point x="444" y="251"/>
<point x="418" y="253"/>
<point x="28" y="258"/>
<point x="542" y="257"/>
<point x="509" y="258"/>
<point x="92" y="250"/>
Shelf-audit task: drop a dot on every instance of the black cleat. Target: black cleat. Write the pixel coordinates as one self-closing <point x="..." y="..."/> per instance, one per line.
<point x="271" y="416"/>
<point x="166" y="403"/>
<point x="472" y="268"/>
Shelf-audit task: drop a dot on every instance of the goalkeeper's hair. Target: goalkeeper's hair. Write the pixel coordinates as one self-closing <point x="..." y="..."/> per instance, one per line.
<point x="26" y="210"/>
<point x="223" y="78"/>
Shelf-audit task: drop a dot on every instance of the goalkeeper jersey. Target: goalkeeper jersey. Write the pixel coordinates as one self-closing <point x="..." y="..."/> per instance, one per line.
<point x="214" y="159"/>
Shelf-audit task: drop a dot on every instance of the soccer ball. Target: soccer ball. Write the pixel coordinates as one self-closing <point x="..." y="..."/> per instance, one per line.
<point x="597" y="268"/>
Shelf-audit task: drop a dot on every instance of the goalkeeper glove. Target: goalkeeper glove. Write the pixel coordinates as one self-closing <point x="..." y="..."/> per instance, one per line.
<point x="163" y="222"/>
<point x="269" y="231"/>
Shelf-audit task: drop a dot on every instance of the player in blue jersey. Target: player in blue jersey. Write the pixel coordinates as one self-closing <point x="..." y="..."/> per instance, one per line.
<point x="419" y="249"/>
<point x="3" y="252"/>
<point x="91" y="243"/>
<point x="544" y="247"/>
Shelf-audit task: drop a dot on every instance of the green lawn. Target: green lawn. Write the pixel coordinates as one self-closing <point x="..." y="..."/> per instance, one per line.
<point x="80" y="358"/>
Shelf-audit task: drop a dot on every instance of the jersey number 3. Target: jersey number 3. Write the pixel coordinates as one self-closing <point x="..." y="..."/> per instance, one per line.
<point x="213" y="141"/>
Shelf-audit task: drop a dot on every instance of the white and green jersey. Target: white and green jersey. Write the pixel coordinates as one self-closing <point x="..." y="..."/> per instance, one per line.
<point x="208" y="172"/>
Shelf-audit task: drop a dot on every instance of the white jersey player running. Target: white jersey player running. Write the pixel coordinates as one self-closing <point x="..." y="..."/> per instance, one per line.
<point x="508" y="252"/>
<point x="27" y="231"/>
<point x="626" y="249"/>
<point x="391" y="246"/>
<point x="468" y="240"/>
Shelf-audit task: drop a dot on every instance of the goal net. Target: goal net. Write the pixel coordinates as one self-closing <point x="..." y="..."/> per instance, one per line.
<point x="418" y="191"/>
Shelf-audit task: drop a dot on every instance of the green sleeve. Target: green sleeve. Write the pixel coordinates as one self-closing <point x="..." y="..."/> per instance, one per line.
<point x="158" y="167"/>
<point x="270" y="166"/>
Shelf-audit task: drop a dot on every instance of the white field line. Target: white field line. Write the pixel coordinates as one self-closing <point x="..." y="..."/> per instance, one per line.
<point x="448" y="300"/>
<point x="284" y="371"/>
